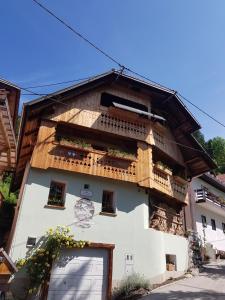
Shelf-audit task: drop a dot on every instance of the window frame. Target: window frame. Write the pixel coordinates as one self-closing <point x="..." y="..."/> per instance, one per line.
<point x="223" y="227"/>
<point x="110" y="213"/>
<point x="63" y="184"/>
<point x="213" y="224"/>
<point x="204" y="221"/>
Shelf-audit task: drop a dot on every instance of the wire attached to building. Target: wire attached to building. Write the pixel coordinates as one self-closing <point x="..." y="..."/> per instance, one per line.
<point x="121" y="66"/>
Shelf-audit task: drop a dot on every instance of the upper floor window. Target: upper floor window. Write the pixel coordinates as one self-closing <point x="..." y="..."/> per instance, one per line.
<point x="56" y="194"/>
<point x="108" y="202"/>
<point x="213" y="223"/>
<point x="223" y="227"/>
<point x="204" y="223"/>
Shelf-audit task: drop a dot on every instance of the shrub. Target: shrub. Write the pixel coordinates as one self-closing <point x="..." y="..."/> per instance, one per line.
<point x="129" y="284"/>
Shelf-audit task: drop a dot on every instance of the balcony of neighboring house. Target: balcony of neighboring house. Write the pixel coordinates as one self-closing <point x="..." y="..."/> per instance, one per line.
<point x="210" y="201"/>
<point x="7" y="137"/>
<point x="168" y="177"/>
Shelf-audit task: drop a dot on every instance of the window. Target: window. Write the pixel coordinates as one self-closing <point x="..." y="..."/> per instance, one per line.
<point x="223" y="227"/>
<point x="204" y="223"/>
<point x="56" y="194"/>
<point x="213" y="223"/>
<point x="171" y="262"/>
<point x="108" y="203"/>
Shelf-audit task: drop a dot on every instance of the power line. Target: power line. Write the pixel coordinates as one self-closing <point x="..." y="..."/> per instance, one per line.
<point x="201" y="110"/>
<point x="38" y="94"/>
<point x="123" y="67"/>
<point x="78" y="34"/>
<point x="58" y="83"/>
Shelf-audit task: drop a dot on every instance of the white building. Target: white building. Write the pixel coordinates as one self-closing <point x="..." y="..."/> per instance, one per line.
<point x="208" y="210"/>
<point x="96" y="159"/>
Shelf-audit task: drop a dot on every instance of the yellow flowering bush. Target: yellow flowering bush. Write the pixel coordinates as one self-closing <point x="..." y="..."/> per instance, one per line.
<point x="38" y="264"/>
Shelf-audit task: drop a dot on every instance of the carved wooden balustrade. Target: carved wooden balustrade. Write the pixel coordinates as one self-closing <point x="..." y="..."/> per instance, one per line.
<point x="91" y="162"/>
<point x="120" y="125"/>
<point x="166" y="143"/>
<point x="171" y="185"/>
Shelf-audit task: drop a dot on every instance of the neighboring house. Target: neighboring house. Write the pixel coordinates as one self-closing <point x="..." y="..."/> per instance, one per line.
<point x="110" y="157"/>
<point x="9" y="103"/>
<point x="207" y="204"/>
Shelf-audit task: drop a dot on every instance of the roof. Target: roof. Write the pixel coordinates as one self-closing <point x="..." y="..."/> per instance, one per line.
<point x="214" y="181"/>
<point x="178" y="116"/>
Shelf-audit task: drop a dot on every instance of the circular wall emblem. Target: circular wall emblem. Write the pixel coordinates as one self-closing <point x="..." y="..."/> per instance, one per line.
<point x="83" y="212"/>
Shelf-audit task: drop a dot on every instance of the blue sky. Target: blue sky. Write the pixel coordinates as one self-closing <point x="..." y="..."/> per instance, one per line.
<point x="180" y="44"/>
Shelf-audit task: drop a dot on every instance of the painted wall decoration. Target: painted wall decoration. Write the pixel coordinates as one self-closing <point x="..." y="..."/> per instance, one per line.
<point x="83" y="212"/>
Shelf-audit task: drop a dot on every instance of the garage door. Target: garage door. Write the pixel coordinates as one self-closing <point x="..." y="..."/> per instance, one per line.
<point x="80" y="274"/>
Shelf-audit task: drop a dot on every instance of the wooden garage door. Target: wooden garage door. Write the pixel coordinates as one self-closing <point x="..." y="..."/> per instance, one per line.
<point x="80" y="274"/>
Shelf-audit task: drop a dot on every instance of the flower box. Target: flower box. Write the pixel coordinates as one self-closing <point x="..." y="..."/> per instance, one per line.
<point x="74" y="146"/>
<point x="163" y="169"/>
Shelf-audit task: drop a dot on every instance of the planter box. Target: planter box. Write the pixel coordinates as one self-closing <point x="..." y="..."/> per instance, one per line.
<point x="163" y="169"/>
<point x="73" y="146"/>
<point x="121" y="157"/>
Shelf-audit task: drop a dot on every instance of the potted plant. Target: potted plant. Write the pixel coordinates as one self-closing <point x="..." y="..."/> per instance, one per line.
<point x="164" y="168"/>
<point x="121" y="154"/>
<point x="74" y="143"/>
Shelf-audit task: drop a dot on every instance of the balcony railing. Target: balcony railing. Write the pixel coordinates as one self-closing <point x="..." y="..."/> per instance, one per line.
<point x="169" y="185"/>
<point x="93" y="163"/>
<point x="166" y="144"/>
<point x="122" y="126"/>
<point x="203" y="195"/>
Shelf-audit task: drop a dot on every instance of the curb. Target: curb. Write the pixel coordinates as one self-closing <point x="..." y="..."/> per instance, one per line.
<point x="168" y="284"/>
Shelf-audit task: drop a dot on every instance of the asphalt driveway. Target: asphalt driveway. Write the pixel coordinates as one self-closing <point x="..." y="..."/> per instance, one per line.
<point x="208" y="285"/>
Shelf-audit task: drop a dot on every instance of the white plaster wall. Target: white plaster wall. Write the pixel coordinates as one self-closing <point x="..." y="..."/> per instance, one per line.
<point x="128" y="230"/>
<point x="215" y="237"/>
<point x="211" y="211"/>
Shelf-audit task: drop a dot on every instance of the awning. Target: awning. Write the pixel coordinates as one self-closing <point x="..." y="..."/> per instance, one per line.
<point x="138" y="111"/>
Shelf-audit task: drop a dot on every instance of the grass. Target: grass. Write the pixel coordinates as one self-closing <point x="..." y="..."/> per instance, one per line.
<point x="129" y="284"/>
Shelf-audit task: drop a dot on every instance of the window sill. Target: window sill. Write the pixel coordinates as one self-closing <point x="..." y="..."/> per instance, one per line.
<point x="108" y="214"/>
<point x="54" y="206"/>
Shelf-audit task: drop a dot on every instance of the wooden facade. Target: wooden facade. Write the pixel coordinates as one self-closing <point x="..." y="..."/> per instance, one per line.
<point x="81" y="130"/>
<point x="9" y="101"/>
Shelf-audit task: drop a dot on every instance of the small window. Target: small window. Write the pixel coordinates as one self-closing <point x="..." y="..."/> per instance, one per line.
<point x="56" y="194"/>
<point x="171" y="262"/>
<point x="204" y="223"/>
<point x="223" y="227"/>
<point x="108" y="203"/>
<point x="213" y="223"/>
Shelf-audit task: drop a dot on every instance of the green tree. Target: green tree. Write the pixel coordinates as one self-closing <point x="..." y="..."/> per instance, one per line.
<point x="5" y="185"/>
<point x="216" y="148"/>
<point x="200" y="138"/>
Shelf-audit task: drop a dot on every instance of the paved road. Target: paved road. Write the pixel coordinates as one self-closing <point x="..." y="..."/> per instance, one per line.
<point x="209" y="285"/>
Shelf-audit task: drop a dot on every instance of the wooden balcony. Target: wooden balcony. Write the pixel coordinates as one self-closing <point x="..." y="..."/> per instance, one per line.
<point x="121" y="125"/>
<point x="7" y="138"/>
<point x="139" y="169"/>
<point x="170" y="185"/>
<point x="164" y="141"/>
<point x="87" y="161"/>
